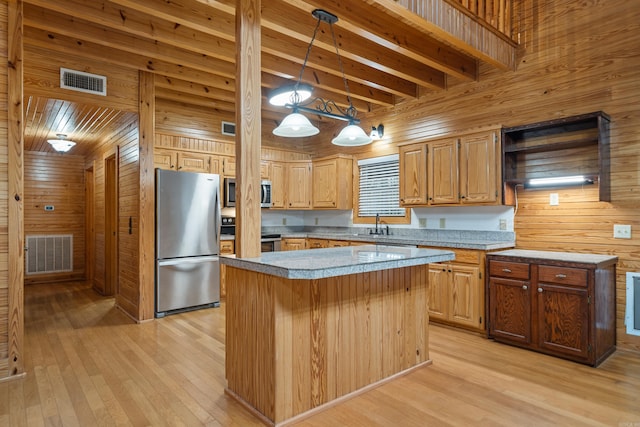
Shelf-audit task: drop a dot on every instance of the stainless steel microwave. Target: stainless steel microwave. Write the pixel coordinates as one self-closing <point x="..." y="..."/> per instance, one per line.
<point x="230" y="193"/>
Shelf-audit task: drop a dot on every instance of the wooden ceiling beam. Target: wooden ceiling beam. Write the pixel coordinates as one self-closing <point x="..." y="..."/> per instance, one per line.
<point x="382" y="28"/>
<point x="298" y="24"/>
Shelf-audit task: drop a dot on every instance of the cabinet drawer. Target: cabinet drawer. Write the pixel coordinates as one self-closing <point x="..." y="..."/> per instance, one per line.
<point x="511" y="270"/>
<point x="562" y="275"/>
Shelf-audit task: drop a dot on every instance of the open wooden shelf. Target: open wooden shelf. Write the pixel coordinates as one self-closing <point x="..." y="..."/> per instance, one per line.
<point x="577" y="145"/>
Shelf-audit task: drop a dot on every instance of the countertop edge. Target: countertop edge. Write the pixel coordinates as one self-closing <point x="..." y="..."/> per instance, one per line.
<point x="254" y="264"/>
<point x="599" y="260"/>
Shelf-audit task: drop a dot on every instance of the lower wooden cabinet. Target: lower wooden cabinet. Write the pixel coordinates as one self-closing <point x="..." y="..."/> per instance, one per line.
<point x="456" y="290"/>
<point x="317" y="243"/>
<point x="227" y="247"/>
<point x="293" y="244"/>
<point x="553" y="305"/>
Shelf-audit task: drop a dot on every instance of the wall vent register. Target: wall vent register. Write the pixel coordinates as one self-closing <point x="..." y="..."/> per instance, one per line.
<point x="83" y="82"/>
<point x="49" y="254"/>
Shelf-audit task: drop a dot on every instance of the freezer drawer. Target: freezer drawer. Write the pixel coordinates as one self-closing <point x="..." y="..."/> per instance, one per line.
<point x="183" y="283"/>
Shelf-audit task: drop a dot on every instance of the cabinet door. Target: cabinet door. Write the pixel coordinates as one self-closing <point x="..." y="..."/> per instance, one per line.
<point x="293" y="244"/>
<point x="413" y="174"/>
<point x="479" y="168"/>
<point x="216" y="166"/>
<point x="164" y="159"/>
<point x="228" y="166"/>
<point x="325" y="176"/>
<point x="278" y="174"/>
<point x="193" y="162"/>
<point x="464" y="302"/>
<point x="438" y="291"/>
<point x="299" y="185"/>
<point x="265" y="170"/>
<point x="317" y="243"/>
<point x="563" y="320"/>
<point x="443" y="172"/>
<point x="510" y="310"/>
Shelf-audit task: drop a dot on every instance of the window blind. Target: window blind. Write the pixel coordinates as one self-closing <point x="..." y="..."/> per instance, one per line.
<point x="380" y="187"/>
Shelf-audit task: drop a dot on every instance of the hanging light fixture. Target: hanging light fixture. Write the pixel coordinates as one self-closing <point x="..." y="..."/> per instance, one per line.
<point x="62" y="144"/>
<point x="298" y="98"/>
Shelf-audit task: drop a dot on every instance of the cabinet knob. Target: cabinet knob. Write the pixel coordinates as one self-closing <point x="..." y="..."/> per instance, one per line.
<point x="506" y="270"/>
<point x="525" y="287"/>
<point x="539" y="290"/>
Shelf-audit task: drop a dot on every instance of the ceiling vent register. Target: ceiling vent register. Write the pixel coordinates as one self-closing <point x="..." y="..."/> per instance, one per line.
<point x="83" y="82"/>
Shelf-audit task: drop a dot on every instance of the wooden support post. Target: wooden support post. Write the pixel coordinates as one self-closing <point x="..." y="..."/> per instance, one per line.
<point x="248" y="128"/>
<point x="15" y="159"/>
<point x="146" y="225"/>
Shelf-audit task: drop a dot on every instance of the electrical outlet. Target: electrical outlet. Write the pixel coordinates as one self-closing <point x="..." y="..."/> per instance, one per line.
<point x="553" y="199"/>
<point x="284" y="221"/>
<point x="443" y="222"/>
<point x="621" y="231"/>
<point x="503" y="224"/>
<point x="422" y="222"/>
<point x="316" y="221"/>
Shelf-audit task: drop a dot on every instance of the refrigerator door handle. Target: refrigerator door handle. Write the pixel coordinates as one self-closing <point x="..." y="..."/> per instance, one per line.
<point x="183" y="261"/>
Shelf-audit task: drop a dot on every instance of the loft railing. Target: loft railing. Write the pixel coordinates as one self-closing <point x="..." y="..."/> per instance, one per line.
<point x="496" y="14"/>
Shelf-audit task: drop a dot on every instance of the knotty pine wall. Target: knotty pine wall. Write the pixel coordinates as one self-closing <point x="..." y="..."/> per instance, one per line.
<point x="578" y="57"/>
<point x="4" y="198"/>
<point x="58" y="180"/>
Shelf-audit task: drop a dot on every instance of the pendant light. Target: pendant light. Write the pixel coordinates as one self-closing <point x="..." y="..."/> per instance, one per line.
<point x="298" y="98"/>
<point x="62" y="144"/>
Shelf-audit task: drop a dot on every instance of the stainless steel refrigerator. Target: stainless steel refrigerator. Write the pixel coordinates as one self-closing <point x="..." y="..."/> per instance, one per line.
<point x="187" y="241"/>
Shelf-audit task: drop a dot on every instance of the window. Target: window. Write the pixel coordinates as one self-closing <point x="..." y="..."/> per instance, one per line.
<point x="379" y="191"/>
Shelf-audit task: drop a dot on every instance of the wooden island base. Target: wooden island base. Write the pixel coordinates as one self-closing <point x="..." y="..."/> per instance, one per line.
<point x="294" y="346"/>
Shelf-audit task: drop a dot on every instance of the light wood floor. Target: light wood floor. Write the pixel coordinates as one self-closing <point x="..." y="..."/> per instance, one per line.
<point x="89" y="365"/>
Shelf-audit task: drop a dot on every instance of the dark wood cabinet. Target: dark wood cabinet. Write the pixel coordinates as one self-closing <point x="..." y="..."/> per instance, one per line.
<point x="570" y="146"/>
<point x="557" y="303"/>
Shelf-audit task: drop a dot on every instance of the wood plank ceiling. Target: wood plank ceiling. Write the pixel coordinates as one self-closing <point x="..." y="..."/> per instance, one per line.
<point x="390" y="54"/>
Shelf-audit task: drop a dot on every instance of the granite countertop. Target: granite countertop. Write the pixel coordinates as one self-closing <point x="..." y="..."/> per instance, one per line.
<point x="446" y="242"/>
<point x="560" y="256"/>
<point x="331" y="262"/>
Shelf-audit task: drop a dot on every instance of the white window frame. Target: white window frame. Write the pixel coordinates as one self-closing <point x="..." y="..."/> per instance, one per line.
<point x="367" y="215"/>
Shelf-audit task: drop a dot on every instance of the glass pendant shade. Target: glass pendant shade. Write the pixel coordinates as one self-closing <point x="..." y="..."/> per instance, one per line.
<point x="351" y="136"/>
<point x="290" y="94"/>
<point x="61" y="144"/>
<point x="296" y="125"/>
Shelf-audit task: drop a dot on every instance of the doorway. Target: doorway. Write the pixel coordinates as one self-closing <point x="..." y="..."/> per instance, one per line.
<point x="111" y="225"/>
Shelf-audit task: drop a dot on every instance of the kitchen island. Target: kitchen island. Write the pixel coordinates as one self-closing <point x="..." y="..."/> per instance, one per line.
<point x="309" y="328"/>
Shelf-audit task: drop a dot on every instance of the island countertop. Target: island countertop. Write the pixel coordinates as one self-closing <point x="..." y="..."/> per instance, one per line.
<point x="340" y="261"/>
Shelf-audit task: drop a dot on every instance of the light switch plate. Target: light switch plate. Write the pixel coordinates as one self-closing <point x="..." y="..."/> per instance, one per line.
<point x="503" y="224"/>
<point x="621" y="231"/>
<point x="554" y="199"/>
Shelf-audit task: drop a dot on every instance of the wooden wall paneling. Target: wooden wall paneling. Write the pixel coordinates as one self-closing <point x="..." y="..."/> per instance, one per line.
<point x="146" y="191"/>
<point x="57" y="180"/>
<point x="89" y="224"/>
<point x="42" y="78"/>
<point x="128" y="293"/>
<point x="15" y="158"/>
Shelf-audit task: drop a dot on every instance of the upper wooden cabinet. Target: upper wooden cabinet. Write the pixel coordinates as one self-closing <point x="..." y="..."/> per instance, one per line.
<point x="443" y="172"/>
<point x="333" y="183"/>
<point x="571" y="146"/>
<point x="165" y="159"/>
<point x="182" y="160"/>
<point x="451" y="171"/>
<point x="480" y="169"/>
<point x="278" y="185"/>
<point x="298" y="193"/>
<point x="413" y="174"/>
<point x="228" y="166"/>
